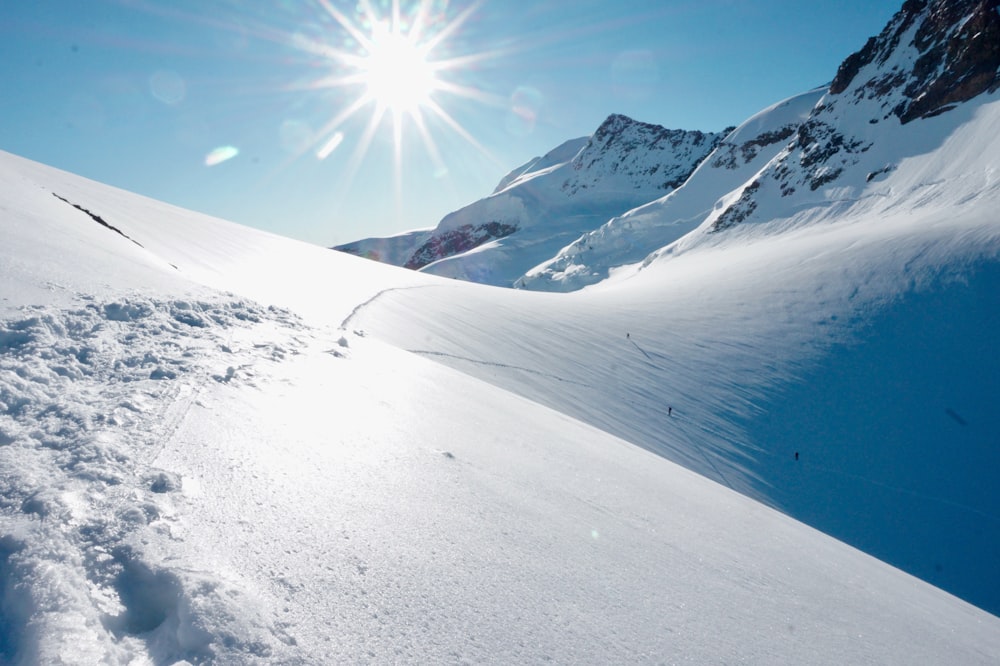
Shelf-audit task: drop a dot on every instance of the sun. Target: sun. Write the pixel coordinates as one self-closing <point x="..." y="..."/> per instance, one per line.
<point x="397" y="71"/>
<point x="397" y="60"/>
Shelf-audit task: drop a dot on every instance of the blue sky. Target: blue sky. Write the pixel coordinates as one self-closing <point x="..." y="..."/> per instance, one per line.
<point x="222" y="105"/>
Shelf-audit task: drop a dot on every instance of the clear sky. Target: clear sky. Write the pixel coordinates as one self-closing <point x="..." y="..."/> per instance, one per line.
<point x="331" y="120"/>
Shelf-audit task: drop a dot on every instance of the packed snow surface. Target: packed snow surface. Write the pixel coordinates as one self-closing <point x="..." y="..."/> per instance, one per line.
<point x="210" y="453"/>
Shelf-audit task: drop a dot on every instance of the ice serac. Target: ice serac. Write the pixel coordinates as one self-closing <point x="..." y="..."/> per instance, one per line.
<point x="630" y="237"/>
<point x="550" y="201"/>
<point x="898" y="97"/>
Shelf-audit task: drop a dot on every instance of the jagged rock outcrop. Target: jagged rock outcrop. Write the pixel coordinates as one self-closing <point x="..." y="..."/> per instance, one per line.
<point x="646" y="156"/>
<point x="932" y="56"/>
<point x="958" y="46"/>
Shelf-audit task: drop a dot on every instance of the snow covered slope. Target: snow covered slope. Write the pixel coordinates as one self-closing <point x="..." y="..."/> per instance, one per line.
<point x="203" y="458"/>
<point x="542" y="206"/>
<point x="842" y="304"/>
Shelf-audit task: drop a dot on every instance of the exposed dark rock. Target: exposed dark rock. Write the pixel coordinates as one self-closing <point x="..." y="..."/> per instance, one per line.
<point x="729" y="154"/>
<point x="740" y="210"/>
<point x="455" y="241"/>
<point x="97" y="218"/>
<point x="821" y="178"/>
<point x="626" y="146"/>
<point x="959" y="59"/>
<point x="958" y="42"/>
<point x="877" y="48"/>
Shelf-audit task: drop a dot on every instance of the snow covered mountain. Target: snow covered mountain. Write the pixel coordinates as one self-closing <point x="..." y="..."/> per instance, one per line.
<point x="630" y="237"/>
<point x="543" y="205"/>
<point x="894" y="105"/>
<point x="931" y="60"/>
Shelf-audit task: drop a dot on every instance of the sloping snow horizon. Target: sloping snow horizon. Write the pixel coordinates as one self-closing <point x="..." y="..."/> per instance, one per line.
<point x="210" y="453"/>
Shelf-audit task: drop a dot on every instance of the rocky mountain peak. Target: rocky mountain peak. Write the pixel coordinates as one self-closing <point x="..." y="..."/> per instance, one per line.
<point x="957" y="44"/>
<point x="643" y="155"/>
<point x="624" y="133"/>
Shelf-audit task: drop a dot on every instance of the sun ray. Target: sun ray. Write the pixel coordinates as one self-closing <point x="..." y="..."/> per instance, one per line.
<point x="390" y="57"/>
<point x="429" y="144"/>
<point x="462" y="132"/>
<point x="452" y="26"/>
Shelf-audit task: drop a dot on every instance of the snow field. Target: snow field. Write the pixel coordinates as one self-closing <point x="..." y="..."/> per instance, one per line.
<point x="509" y="533"/>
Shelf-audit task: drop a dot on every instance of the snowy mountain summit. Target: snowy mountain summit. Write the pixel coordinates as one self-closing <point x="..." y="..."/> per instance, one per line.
<point x="630" y="237"/>
<point x="546" y="203"/>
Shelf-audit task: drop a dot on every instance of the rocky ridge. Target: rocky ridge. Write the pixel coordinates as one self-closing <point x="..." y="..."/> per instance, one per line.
<point x="932" y="56"/>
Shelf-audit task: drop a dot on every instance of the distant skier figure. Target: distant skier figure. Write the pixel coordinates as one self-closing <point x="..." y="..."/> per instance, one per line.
<point x="627" y="335"/>
<point x="670" y="411"/>
<point x="796" y="455"/>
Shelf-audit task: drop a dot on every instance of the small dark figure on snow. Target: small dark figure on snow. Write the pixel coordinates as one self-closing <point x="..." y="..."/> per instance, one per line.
<point x="670" y="411"/>
<point x="796" y="455"/>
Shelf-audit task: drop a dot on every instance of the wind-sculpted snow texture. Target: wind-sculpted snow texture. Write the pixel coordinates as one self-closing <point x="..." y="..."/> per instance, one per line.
<point x="542" y="206"/>
<point x="88" y="395"/>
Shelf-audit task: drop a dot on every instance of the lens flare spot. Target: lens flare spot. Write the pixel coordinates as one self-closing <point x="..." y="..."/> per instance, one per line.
<point x="330" y="145"/>
<point x="168" y="87"/>
<point x="525" y="106"/>
<point x="221" y="154"/>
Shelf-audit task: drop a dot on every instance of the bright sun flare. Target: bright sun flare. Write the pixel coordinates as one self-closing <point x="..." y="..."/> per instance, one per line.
<point x="397" y="72"/>
<point x="393" y="58"/>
